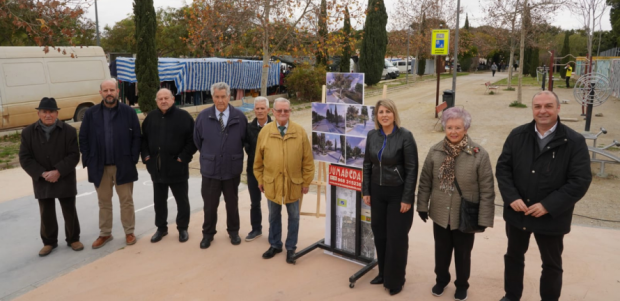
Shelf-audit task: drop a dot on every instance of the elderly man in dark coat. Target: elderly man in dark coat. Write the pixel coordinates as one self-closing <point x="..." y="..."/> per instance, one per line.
<point x="220" y="134"/>
<point x="110" y="146"/>
<point x="49" y="153"/>
<point x="167" y="149"/>
<point x="544" y="169"/>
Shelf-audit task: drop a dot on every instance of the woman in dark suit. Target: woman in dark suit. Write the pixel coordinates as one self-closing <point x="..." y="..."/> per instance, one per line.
<point x="390" y="176"/>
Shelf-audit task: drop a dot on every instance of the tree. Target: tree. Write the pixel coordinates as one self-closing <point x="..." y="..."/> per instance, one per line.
<point x="534" y="62"/>
<point x="147" y="73"/>
<point x="565" y="52"/>
<point x="329" y="144"/>
<point x="614" y="17"/>
<point x="374" y="43"/>
<point x="466" y="22"/>
<point x="342" y="143"/>
<point x="345" y="61"/>
<point x="591" y="12"/>
<point x="120" y="37"/>
<point x="322" y="55"/>
<point x="42" y="22"/>
<point x="341" y="82"/>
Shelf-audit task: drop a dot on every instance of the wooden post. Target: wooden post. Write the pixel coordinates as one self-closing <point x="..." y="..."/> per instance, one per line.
<point x="437" y="66"/>
<point x="320" y="182"/>
<point x="384" y="92"/>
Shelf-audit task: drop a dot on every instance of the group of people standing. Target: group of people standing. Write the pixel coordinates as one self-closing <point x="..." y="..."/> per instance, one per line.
<point x="112" y="141"/>
<point x="543" y="170"/>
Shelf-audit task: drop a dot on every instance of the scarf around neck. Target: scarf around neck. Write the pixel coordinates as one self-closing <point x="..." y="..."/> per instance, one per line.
<point x="47" y="129"/>
<point x="447" y="168"/>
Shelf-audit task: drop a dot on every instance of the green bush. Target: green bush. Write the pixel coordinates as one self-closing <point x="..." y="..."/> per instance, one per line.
<point x="307" y="81"/>
<point x="421" y="65"/>
<point x="516" y="104"/>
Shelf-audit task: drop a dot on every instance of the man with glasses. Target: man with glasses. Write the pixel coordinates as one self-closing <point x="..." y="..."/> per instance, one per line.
<point x="219" y="134"/>
<point x="167" y="149"/>
<point x="284" y="169"/>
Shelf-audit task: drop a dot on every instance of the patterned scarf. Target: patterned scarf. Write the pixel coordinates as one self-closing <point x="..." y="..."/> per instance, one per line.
<point x="446" y="171"/>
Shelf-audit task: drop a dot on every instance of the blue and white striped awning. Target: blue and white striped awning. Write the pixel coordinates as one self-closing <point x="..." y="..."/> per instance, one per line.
<point x="199" y="74"/>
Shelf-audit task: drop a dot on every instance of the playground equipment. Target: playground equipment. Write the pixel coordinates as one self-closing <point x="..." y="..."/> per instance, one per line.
<point x="602" y="151"/>
<point x="591" y="89"/>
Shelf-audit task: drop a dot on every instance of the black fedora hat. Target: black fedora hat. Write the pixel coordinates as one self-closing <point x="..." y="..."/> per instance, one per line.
<point x="48" y="104"/>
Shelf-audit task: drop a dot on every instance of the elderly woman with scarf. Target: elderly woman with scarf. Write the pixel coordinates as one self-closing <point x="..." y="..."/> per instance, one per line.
<point x="388" y="186"/>
<point x="455" y="160"/>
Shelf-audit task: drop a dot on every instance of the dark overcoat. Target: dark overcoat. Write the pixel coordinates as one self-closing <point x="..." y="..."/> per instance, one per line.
<point x="61" y="152"/>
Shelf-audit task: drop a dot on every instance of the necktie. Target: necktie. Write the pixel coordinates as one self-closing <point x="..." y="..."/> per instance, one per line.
<point x="222" y="121"/>
<point x="282" y="128"/>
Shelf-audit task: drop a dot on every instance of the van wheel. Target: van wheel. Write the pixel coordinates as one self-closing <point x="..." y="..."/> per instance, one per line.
<point x="79" y="113"/>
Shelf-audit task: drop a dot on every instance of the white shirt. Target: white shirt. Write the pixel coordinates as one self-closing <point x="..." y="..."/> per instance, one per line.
<point x="225" y="116"/>
<point x="547" y="133"/>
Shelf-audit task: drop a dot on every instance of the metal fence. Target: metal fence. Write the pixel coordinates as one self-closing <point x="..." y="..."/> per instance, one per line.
<point x="610" y="52"/>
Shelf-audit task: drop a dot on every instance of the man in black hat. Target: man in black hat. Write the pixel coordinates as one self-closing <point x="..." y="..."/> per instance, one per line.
<point x="49" y="153"/>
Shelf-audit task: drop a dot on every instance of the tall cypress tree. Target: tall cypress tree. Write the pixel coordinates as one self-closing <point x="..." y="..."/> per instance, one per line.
<point x="345" y="61"/>
<point x="374" y="43"/>
<point x="565" y="52"/>
<point x="466" y="22"/>
<point x="146" y="57"/>
<point x="534" y="62"/>
<point x="321" y="55"/>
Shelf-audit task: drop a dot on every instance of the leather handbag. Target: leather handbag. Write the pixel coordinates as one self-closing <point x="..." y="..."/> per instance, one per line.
<point x="468" y="221"/>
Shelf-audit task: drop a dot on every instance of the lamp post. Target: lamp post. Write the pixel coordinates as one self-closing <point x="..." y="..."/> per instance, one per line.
<point x="456" y="50"/>
<point x="97" y="24"/>
<point x="407" y="60"/>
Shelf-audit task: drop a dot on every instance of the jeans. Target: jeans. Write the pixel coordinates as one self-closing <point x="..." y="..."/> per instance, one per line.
<point x="256" y="215"/>
<point x="275" y="225"/>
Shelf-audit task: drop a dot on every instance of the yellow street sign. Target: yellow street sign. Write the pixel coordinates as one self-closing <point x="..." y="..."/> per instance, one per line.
<point x="440" y="42"/>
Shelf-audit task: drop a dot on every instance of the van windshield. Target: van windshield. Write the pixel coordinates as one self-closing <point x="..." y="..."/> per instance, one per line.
<point x="388" y="64"/>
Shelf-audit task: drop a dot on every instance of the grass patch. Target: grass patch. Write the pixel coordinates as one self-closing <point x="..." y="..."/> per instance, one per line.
<point x="527" y="81"/>
<point x="491" y="93"/>
<point x="9" y="149"/>
<point x="516" y="104"/>
<point x="509" y="89"/>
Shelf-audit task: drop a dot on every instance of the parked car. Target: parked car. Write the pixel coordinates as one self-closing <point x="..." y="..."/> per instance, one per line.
<point x="28" y="74"/>
<point x="389" y="71"/>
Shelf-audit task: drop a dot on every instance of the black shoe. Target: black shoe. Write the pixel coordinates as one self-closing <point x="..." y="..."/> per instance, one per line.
<point x="158" y="235"/>
<point x="377" y="280"/>
<point x="253" y="235"/>
<point x="289" y="256"/>
<point x="206" y="242"/>
<point x="504" y="299"/>
<point x="183" y="235"/>
<point x="437" y="290"/>
<point x="460" y="294"/>
<point x="235" y="239"/>
<point x="394" y="291"/>
<point x="271" y="252"/>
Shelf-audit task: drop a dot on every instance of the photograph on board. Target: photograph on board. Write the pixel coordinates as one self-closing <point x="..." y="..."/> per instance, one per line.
<point x="347" y="88"/>
<point x="359" y="120"/>
<point x="355" y="150"/>
<point x="328" y="118"/>
<point x="328" y="147"/>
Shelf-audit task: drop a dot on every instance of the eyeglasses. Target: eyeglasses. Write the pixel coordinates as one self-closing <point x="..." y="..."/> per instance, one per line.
<point x="282" y="111"/>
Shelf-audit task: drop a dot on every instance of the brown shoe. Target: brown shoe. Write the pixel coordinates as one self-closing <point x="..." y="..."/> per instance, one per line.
<point x="131" y="239"/>
<point x="101" y="241"/>
<point x="77" y="246"/>
<point x="47" y="249"/>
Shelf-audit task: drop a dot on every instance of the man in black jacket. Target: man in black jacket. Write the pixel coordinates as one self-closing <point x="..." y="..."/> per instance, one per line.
<point x="544" y="169"/>
<point x="49" y="153"/>
<point x="261" y="111"/>
<point x="167" y="149"/>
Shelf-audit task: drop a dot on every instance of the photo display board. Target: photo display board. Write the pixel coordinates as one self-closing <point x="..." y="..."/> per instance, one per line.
<point x="340" y="126"/>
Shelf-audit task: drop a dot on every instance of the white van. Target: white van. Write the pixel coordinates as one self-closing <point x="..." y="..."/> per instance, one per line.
<point x="27" y="74"/>
<point x="389" y="71"/>
<point x="404" y="66"/>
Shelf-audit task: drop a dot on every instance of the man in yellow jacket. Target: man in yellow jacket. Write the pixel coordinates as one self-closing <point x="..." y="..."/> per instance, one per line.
<point x="569" y="72"/>
<point x="284" y="168"/>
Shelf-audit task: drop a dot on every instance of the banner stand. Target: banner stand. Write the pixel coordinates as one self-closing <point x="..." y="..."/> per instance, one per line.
<point x="356" y="256"/>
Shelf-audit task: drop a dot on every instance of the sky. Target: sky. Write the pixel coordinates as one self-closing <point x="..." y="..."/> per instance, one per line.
<point x="112" y="11"/>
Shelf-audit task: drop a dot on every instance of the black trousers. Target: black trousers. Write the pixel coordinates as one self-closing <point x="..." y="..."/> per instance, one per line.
<point x="211" y="191"/>
<point x="391" y="231"/>
<point x="256" y="215"/>
<point x="551" y="247"/>
<point x="568" y="82"/>
<point x="447" y="240"/>
<point x="180" y="193"/>
<point x="49" y="224"/>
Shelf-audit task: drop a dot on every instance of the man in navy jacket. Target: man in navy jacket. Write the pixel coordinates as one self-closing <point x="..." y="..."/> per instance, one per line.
<point x="219" y="135"/>
<point x="110" y="147"/>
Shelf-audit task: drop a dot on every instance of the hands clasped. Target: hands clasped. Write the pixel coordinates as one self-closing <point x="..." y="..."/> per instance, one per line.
<point x="536" y="210"/>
